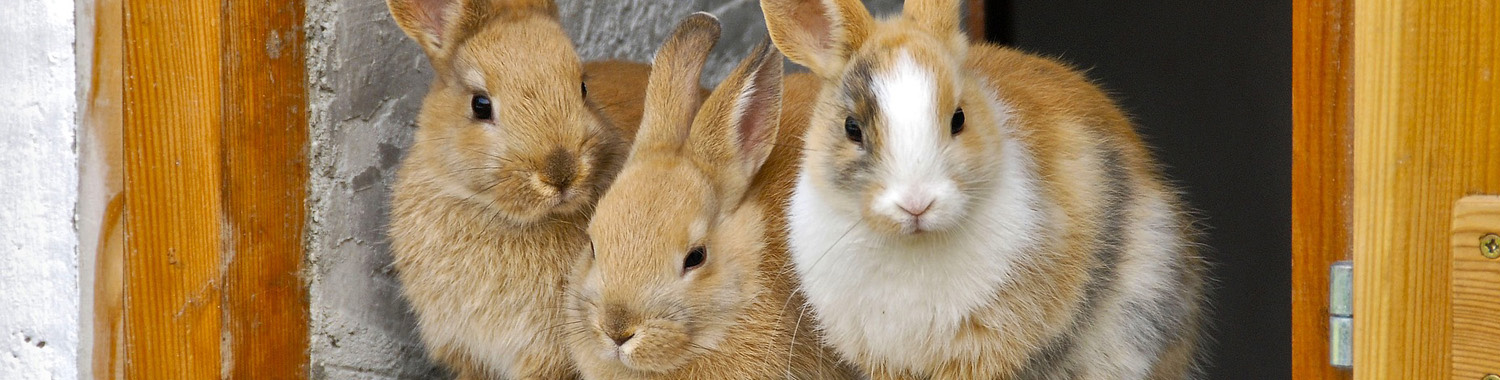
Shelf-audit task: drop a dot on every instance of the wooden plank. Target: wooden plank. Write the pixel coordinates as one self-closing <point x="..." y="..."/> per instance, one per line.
<point x="1321" y="173"/>
<point x="974" y="19"/>
<point x="1426" y="128"/>
<point x="173" y="210"/>
<point x="101" y="203"/>
<point x="1476" y="288"/>
<point x="265" y="167"/>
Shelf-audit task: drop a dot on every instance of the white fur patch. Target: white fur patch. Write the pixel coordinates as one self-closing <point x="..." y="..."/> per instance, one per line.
<point x="918" y="191"/>
<point x="902" y="299"/>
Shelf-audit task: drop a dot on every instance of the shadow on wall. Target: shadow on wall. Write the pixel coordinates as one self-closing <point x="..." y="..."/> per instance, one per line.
<point x="367" y="81"/>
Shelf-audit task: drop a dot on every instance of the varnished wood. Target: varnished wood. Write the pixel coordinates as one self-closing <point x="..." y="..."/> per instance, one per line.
<point x="1476" y="289"/>
<point x="1426" y="132"/>
<point x="173" y="215"/>
<point x="101" y="203"/>
<point x="265" y="182"/>
<point x="1321" y="173"/>
<point x="215" y="171"/>
<point x="974" y="14"/>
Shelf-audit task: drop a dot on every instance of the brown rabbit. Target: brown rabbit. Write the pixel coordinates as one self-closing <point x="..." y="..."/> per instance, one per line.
<point x="492" y="198"/>
<point x="967" y="211"/>
<point x="687" y="276"/>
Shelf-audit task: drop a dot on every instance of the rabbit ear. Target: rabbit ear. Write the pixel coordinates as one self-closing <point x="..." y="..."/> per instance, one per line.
<point x="672" y="91"/>
<point x="736" y="130"/>
<point x="937" y="16"/>
<point x="430" y="22"/>
<point x="435" y="24"/>
<point x="819" y="34"/>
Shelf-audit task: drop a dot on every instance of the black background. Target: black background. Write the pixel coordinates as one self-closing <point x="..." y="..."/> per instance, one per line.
<point x="1209" y="86"/>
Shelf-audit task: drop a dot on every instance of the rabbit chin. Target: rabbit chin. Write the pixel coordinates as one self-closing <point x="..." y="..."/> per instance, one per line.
<point x="651" y="351"/>
<point x="540" y="206"/>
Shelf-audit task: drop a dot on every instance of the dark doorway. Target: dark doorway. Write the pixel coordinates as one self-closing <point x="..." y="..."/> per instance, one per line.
<point x="1209" y="84"/>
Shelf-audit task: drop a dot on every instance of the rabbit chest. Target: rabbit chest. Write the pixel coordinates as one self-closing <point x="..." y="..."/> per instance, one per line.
<point x="902" y="300"/>
<point x="490" y="291"/>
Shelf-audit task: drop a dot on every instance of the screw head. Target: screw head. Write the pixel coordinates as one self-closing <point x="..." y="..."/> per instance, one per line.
<point x="1492" y="377"/>
<point x="1489" y="246"/>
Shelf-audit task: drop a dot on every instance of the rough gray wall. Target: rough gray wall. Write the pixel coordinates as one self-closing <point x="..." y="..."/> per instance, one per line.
<point x="366" y="81"/>
<point x="38" y="189"/>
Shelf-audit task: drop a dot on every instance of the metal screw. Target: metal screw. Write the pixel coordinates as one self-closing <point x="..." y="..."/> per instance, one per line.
<point x="1492" y="377"/>
<point x="1489" y="246"/>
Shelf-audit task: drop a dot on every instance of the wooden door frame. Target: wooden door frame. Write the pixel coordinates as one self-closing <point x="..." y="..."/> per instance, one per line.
<point x="1426" y="124"/>
<point x="1396" y="116"/>
<point x="200" y="145"/>
<point x="1322" y="162"/>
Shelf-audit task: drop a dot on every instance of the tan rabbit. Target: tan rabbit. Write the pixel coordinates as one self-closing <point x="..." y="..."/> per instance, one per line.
<point x="968" y="211"/>
<point x="492" y="199"/>
<point x="687" y="277"/>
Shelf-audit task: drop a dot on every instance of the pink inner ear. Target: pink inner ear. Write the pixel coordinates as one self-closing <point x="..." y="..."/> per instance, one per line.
<point x="752" y="125"/>
<point x="432" y="15"/>
<point x="814" y="19"/>
<point x="761" y="109"/>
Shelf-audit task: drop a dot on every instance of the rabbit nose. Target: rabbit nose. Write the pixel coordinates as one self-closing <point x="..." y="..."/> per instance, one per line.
<point x="559" y="169"/>
<point x="618" y="325"/>
<point x="915" y="206"/>
<point x="621" y="338"/>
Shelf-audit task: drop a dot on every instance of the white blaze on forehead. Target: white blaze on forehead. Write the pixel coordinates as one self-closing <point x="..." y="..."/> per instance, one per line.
<point x="907" y="97"/>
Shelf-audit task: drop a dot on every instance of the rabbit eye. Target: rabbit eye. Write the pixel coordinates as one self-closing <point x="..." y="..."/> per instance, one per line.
<point x="851" y="129"/>
<point x="957" y="124"/>
<point x="585" y="87"/>
<point x="483" y="110"/>
<point x="593" y="253"/>
<point x="694" y="259"/>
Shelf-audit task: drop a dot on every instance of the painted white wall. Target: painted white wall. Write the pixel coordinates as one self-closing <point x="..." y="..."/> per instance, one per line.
<point x="38" y="190"/>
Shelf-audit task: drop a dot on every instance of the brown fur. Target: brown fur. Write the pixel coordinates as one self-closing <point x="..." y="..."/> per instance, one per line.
<point x="487" y="214"/>
<point x="1062" y="119"/>
<point x="700" y="176"/>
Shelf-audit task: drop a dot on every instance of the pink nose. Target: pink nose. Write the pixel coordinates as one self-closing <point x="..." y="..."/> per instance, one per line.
<point x="916" y="207"/>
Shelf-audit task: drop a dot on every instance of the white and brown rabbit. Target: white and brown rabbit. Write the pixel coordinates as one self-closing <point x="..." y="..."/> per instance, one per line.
<point x="687" y="276"/>
<point x="967" y="211"/>
<point x="491" y="201"/>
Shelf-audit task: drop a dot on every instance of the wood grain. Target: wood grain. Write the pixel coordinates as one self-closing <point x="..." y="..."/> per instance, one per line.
<point x="101" y="202"/>
<point x="173" y="210"/>
<point x="215" y="173"/>
<point x="1426" y="132"/>
<point x="1476" y="289"/>
<point x="265" y="189"/>
<point x="1321" y="173"/>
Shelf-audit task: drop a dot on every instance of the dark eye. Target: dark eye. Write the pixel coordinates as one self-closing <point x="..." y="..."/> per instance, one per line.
<point x="483" y="110"/>
<point x="592" y="252"/>
<point x="694" y="258"/>
<point x="851" y="128"/>
<point x="585" y="87"/>
<point x="958" y="121"/>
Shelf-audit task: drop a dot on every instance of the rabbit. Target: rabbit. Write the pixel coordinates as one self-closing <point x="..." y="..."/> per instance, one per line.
<point x="686" y="275"/>
<point x="491" y="200"/>
<point x="967" y="211"/>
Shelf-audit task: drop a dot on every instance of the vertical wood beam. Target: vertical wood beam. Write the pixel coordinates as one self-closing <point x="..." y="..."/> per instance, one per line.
<point x="101" y="202"/>
<point x="265" y="188"/>
<point x="1427" y="125"/>
<point x="974" y="14"/>
<point x="1322" y="161"/>
<point x="173" y="214"/>
<point x="215" y="171"/>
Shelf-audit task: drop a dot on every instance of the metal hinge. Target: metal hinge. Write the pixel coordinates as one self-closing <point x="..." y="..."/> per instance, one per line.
<point x="1341" y="315"/>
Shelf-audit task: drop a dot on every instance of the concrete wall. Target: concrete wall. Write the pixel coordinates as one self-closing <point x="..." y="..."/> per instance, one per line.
<point x="38" y="190"/>
<point x="367" y="80"/>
